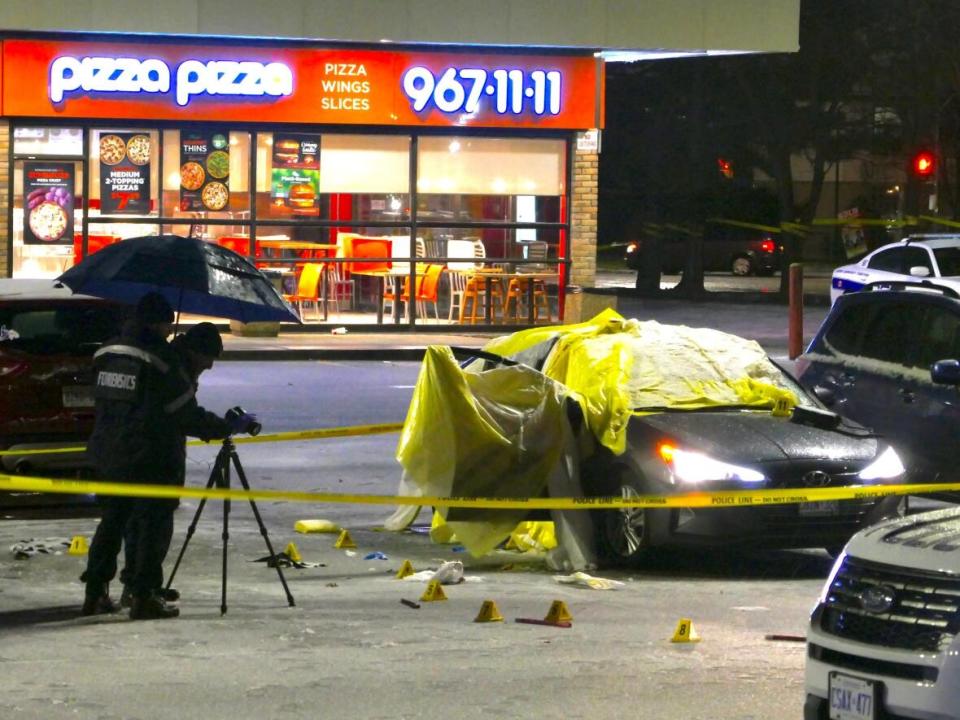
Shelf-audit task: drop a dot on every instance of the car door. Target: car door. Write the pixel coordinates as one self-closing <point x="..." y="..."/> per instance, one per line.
<point x="887" y="265"/>
<point x="887" y="379"/>
<point x="932" y="411"/>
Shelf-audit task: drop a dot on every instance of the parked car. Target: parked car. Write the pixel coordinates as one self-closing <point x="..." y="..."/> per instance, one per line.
<point x="47" y="339"/>
<point x="871" y="361"/>
<point x="685" y="443"/>
<point x="884" y="638"/>
<point x="918" y="257"/>
<point x="730" y="248"/>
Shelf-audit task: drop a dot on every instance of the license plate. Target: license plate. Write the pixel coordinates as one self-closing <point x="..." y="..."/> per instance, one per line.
<point x="852" y="698"/>
<point x="78" y="396"/>
<point x="825" y="507"/>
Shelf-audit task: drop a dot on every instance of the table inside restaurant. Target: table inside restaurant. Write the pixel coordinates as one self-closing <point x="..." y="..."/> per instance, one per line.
<point x="505" y="276"/>
<point x="382" y="274"/>
<point x="284" y="244"/>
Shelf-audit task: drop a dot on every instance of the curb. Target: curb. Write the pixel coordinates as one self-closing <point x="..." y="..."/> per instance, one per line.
<point x="360" y="354"/>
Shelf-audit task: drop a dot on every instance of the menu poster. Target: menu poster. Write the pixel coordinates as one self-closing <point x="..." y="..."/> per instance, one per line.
<point x="125" y="174"/>
<point x="48" y="203"/>
<point x="295" y="179"/>
<point x="204" y="170"/>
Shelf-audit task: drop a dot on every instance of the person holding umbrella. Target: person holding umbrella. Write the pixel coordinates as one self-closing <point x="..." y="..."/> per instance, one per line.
<point x="196" y="349"/>
<point x="143" y="408"/>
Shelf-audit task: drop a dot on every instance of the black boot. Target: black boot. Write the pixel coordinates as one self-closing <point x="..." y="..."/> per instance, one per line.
<point x="152" y="607"/>
<point x="168" y="594"/>
<point x="97" y="601"/>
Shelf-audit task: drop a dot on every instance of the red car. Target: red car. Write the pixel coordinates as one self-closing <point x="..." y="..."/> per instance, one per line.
<point x="47" y="339"/>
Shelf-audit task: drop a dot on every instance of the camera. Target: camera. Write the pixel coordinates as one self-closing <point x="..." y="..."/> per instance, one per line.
<point x="249" y="426"/>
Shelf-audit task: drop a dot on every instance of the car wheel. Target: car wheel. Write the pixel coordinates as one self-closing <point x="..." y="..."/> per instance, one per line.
<point x="741" y="266"/>
<point x="623" y="535"/>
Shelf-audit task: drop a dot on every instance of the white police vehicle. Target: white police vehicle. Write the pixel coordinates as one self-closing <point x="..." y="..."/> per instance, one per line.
<point x="883" y="640"/>
<point x="916" y="258"/>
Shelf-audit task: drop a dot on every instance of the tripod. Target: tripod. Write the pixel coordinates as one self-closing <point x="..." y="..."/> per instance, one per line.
<point x="220" y="477"/>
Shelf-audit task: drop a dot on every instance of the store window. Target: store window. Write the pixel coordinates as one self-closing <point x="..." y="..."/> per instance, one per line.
<point x="490" y="179"/>
<point x="47" y="216"/>
<point x="47" y="141"/>
<point x="206" y="177"/>
<point x="355" y="178"/>
<point x="124" y="184"/>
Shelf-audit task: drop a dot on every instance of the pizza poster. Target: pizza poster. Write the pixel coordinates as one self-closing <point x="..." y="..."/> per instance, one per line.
<point x="295" y="174"/>
<point x="48" y="203"/>
<point x="125" y="174"/>
<point x="204" y="170"/>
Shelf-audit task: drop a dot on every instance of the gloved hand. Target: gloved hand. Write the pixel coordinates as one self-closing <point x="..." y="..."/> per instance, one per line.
<point x="242" y="422"/>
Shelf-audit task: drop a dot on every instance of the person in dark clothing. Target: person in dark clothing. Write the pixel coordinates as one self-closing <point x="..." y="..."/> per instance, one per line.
<point x="145" y="403"/>
<point x="196" y="350"/>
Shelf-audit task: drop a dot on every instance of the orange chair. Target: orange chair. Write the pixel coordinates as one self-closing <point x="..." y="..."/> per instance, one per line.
<point x="390" y="295"/>
<point x="429" y="291"/>
<point x="308" y="288"/>
<point x="475" y="295"/>
<point x="517" y="293"/>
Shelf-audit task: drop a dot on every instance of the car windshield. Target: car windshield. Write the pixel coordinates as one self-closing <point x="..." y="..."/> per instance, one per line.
<point x="46" y="330"/>
<point x="948" y="260"/>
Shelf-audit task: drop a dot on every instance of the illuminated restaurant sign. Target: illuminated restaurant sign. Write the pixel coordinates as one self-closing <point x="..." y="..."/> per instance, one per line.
<point x="158" y="81"/>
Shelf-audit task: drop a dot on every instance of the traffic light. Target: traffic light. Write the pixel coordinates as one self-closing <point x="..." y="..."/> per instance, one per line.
<point x="923" y="164"/>
<point x="725" y="167"/>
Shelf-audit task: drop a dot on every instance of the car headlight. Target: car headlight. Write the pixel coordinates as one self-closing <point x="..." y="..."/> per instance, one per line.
<point x="887" y="466"/>
<point x="694" y="467"/>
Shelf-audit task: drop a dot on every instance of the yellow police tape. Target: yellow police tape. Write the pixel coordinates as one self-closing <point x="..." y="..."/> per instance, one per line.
<point x="275" y="437"/>
<point x="721" y="499"/>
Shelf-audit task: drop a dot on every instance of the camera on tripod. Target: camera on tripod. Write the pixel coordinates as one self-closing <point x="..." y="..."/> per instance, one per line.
<point x="248" y="426"/>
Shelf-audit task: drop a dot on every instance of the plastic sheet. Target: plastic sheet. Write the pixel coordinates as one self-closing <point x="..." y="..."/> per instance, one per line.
<point x="506" y="432"/>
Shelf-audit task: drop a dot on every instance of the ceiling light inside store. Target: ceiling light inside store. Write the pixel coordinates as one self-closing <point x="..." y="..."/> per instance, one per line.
<point x="455" y="146"/>
<point x="499" y="185"/>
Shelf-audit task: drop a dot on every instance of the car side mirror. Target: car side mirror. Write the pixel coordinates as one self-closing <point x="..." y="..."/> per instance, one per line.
<point x="946" y="372"/>
<point x="825" y="395"/>
<point x="920" y="271"/>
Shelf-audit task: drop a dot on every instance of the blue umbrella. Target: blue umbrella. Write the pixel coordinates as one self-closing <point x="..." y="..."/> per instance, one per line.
<point x="196" y="277"/>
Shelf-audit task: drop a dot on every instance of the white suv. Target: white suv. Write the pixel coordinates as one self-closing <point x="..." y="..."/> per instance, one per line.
<point x="883" y="640"/>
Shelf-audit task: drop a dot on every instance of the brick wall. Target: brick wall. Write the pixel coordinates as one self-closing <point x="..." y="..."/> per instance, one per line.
<point x="4" y="194"/>
<point x="583" y="219"/>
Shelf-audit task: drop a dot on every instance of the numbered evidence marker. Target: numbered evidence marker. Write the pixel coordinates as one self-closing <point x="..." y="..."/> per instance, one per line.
<point x="433" y="592"/>
<point x="489" y="612"/>
<point x="405" y="570"/>
<point x="344" y="541"/>
<point x="685" y="632"/>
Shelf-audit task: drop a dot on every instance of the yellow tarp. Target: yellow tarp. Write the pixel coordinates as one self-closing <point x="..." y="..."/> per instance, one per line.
<point x="500" y="432"/>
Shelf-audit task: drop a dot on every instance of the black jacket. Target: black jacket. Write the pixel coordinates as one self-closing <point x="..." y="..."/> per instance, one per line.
<point x="145" y="405"/>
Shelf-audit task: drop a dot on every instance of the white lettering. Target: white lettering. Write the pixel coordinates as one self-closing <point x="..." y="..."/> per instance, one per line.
<point x="152" y="75"/>
<point x="122" y="381"/>
<point x="349" y="69"/>
<point x="228" y="77"/>
<point x="105" y="74"/>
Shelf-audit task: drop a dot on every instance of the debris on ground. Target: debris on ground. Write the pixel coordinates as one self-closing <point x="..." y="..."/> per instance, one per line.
<point x="581" y="579"/>
<point x="24" y="549"/>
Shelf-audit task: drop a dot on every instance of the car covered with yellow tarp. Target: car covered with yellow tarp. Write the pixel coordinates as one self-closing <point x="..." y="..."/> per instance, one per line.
<point x="617" y="407"/>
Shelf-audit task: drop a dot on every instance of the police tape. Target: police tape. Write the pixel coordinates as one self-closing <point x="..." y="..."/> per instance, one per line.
<point x="696" y="499"/>
<point x="352" y="431"/>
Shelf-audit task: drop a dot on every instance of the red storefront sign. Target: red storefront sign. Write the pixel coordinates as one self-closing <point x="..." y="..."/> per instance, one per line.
<point x="42" y="78"/>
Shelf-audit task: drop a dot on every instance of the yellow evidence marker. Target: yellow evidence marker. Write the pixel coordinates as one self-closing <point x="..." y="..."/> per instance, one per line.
<point x="489" y="612"/>
<point x="433" y="592"/>
<point x="405" y="570"/>
<point x="344" y="540"/>
<point x="78" y="546"/>
<point x="685" y="632"/>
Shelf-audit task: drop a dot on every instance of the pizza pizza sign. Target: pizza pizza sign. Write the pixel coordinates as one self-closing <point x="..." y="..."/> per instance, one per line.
<point x="93" y="75"/>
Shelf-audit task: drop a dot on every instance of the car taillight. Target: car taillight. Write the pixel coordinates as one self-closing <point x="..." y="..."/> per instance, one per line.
<point x="631" y="247"/>
<point x="11" y="368"/>
<point x="768" y="245"/>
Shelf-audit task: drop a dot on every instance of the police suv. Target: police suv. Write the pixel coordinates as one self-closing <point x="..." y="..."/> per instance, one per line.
<point x="916" y="258"/>
<point x="883" y="640"/>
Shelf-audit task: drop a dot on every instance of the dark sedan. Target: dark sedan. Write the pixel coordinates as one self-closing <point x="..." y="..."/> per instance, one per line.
<point x="702" y="421"/>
